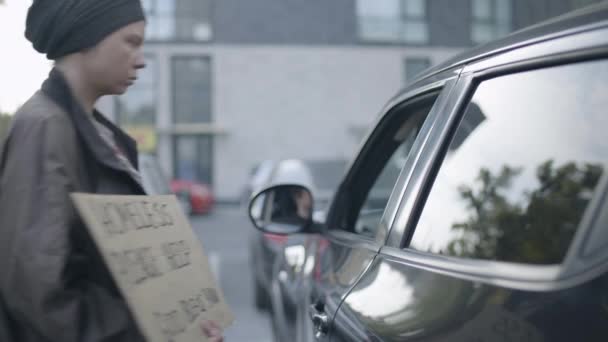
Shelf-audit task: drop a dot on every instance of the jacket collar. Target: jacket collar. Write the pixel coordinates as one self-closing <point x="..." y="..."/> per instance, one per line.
<point x="57" y="88"/>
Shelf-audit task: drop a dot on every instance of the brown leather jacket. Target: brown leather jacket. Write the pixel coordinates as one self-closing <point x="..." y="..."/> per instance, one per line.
<point x="53" y="282"/>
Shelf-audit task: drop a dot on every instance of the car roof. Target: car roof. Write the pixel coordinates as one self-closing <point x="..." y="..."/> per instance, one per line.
<point x="569" y="23"/>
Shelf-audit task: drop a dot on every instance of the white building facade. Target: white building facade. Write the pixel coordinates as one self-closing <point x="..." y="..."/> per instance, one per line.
<point x="230" y="83"/>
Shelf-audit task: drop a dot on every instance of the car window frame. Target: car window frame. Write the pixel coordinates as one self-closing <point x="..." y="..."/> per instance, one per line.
<point x="563" y="51"/>
<point x="440" y="87"/>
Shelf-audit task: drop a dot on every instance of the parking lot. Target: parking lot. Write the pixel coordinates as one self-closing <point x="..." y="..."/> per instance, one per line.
<point x="224" y="235"/>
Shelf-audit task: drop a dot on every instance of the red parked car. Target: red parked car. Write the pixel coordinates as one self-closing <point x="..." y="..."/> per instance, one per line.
<point x="196" y="198"/>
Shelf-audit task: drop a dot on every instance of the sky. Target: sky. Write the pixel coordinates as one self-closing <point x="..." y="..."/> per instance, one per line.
<point x="22" y="69"/>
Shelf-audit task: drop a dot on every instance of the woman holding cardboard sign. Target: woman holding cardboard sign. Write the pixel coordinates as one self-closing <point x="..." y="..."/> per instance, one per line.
<point x="54" y="285"/>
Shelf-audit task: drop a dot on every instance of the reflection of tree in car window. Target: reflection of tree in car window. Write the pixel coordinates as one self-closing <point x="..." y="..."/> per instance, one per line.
<point x="536" y="230"/>
<point x="522" y="166"/>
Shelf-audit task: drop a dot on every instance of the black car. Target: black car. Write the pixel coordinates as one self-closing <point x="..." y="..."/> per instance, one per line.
<point x="496" y="225"/>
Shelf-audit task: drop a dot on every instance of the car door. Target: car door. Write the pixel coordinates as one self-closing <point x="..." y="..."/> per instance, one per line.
<point x="365" y="203"/>
<point x="491" y="241"/>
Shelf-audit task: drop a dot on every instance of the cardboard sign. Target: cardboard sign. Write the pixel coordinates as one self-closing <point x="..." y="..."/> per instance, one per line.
<point x="158" y="264"/>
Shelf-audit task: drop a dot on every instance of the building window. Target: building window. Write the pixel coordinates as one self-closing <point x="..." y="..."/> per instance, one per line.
<point x="193" y="153"/>
<point x="491" y="19"/>
<point x="191" y="90"/>
<point x="136" y="110"/>
<point x="193" y="158"/>
<point x="183" y="20"/>
<point x="414" y="66"/>
<point x="403" y="21"/>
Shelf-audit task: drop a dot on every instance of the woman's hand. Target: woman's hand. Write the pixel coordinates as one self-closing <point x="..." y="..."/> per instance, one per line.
<point x="212" y="331"/>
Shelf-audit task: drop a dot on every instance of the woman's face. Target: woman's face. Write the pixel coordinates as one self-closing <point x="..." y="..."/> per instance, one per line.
<point x="113" y="63"/>
<point x="303" y="203"/>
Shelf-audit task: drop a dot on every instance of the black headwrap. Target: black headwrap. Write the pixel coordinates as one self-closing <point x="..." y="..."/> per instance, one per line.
<point x="60" y="27"/>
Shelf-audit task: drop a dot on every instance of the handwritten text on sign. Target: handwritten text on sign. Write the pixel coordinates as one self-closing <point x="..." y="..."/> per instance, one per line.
<point x="157" y="262"/>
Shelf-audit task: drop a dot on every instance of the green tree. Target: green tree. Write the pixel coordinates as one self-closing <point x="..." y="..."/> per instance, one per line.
<point x="535" y="229"/>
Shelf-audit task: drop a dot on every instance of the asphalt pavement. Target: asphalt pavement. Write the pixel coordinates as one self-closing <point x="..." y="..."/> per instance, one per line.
<point x="224" y="235"/>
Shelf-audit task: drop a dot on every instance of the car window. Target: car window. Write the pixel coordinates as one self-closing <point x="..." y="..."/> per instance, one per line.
<point x="377" y="198"/>
<point x="523" y="165"/>
<point x="376" y="170"/>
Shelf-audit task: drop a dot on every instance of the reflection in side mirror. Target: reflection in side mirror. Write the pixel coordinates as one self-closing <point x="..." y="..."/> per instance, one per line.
<point x="282" y="209"/>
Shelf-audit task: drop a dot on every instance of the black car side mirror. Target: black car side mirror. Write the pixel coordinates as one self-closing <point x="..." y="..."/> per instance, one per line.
<point x="282" y="209"/>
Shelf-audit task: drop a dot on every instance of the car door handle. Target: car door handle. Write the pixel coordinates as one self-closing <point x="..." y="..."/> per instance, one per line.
<point x="320" y="320"/>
